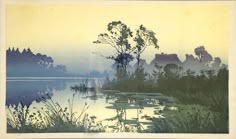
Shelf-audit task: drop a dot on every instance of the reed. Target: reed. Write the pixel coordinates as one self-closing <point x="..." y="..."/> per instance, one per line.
<point x="51" y="118"/>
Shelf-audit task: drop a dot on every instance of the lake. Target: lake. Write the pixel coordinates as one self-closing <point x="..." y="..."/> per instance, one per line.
<point x="112" y="108"/>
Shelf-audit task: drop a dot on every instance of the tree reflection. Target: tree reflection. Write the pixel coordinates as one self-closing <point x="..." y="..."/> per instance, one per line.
<point x="124" y="103"/>
<point x="25" y="92"/>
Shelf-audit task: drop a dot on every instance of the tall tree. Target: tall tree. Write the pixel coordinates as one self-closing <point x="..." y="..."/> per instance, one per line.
<point x="117" y="37"/>
<point x="144" y="38"/>
<point x="203" y="56"/>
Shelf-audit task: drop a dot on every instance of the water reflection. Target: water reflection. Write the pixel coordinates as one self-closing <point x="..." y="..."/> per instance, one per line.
<point x="120" y="111"/>
<point x="124" y="102"/>
<point x="25" y="92"/>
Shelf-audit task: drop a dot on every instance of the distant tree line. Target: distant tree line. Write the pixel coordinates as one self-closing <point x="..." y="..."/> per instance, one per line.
<point x="129" y="45"/>
<point x="26" y="63"/>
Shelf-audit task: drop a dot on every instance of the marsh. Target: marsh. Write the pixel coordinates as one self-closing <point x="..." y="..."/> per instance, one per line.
<point x="118" y="111"/>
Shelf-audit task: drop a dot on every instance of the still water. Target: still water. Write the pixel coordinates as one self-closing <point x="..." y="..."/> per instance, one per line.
<point x="104" y="105"/>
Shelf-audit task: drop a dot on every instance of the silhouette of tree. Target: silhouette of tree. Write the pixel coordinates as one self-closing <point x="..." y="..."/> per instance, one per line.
<point x="158" y="73"/>
<point x="172" y="71"/>
<point x="203" y="56"/>
<point x="28" y="64"/>
<point x="117" y="37"/>
<point x="144" y="38"/>
<point x="217" y="63"/>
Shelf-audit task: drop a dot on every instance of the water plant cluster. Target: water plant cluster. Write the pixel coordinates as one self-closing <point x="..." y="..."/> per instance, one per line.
<point x="51" y="118"/>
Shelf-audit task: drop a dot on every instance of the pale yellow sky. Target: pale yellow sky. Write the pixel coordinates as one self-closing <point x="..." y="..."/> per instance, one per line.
<point x="66" y="32"/>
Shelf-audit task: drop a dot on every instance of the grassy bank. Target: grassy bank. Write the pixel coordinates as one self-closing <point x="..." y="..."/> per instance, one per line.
<point x="189" y="119"/>
<point x="208" y="90"/>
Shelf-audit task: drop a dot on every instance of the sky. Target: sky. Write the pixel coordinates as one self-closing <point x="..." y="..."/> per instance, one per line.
<point x="66" y="32"/>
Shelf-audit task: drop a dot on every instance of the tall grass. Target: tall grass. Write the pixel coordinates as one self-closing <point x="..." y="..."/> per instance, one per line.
<point x="51" y="118"/>
<point x="189" y="119"/>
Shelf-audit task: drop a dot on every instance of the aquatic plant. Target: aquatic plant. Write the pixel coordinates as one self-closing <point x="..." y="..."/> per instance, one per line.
<point x="51" y="118"/>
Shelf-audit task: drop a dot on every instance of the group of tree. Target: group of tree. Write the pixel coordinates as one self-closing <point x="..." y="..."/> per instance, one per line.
<point x="26" y="63"/>
<point x="202" y="61"/>
<point x="127" y="46"/>
<point x="208" y="86"/>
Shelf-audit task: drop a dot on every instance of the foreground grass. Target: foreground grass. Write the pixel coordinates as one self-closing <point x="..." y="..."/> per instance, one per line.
<point x="189" y="119"/>
<point x="51" y="118"/>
